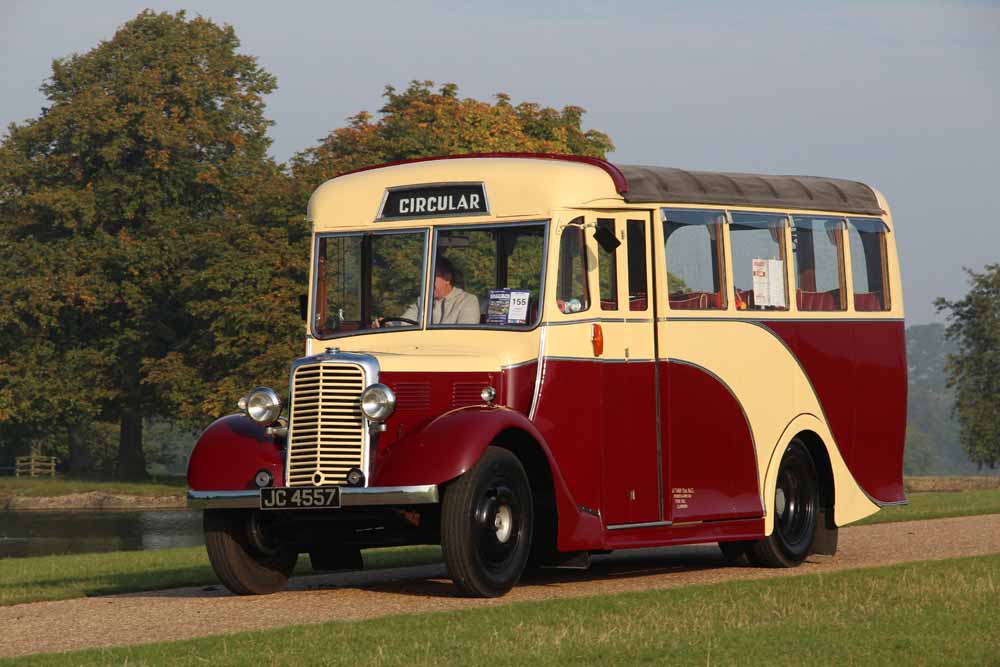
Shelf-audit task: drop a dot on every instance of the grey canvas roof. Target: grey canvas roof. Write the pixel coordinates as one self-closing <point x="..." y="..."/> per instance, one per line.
<point x="664" y="184"/>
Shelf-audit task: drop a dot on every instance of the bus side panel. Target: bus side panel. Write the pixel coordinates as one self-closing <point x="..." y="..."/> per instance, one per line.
<point x="712" y="463"/>
<point x="568" y="414"/>
<point x="880" y="411"/>
<point x="858" y="370"/>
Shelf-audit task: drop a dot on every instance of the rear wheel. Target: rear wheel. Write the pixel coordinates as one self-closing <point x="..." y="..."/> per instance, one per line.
<point x="245" y="554"/>
<point x="796" y="508"/>
<point x="486" y="525"/>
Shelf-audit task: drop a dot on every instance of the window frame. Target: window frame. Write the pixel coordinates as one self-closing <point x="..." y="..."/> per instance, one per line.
<point x="841" y="252"/>
<point x="429" y="298"/>
<point x="883" y="255"/>
<point x="314" y="288"/>
<point x="722" y="258"/>
<point x="783" y="252"/>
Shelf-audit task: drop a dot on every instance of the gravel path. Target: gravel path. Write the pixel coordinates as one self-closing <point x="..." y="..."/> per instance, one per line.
<point x="183" y="613"/>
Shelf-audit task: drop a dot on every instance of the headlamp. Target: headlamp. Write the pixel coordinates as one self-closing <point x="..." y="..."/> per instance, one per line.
<point x="262" y="405"/>
<point x="378" y="402"/>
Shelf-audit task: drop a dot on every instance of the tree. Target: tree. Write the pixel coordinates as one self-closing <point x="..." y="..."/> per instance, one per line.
<point x="105" y="197"/>
<point x="974" y="324"/>
<point x="420" y="122"/>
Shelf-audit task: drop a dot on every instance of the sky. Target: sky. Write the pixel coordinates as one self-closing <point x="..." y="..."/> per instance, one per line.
<point x="904" y="96"/>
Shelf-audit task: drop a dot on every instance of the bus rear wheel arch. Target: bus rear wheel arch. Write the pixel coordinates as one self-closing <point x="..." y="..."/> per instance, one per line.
<point x="797" y="511"/>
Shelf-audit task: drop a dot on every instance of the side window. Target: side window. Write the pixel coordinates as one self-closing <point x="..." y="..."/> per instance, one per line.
<point x="572" y="294"/>
<point x="817" y="246"/>
<point x="868" y="263"/>
<point x="607" y="263"/>
<point x="758" y="249"/>
<point x="638" y="290"/>
<point x="693" y="249"/>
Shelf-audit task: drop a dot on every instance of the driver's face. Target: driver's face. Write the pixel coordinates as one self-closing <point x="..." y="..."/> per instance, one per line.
<point x="441" y="287"/>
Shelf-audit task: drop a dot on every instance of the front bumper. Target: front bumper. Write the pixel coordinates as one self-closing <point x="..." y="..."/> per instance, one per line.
<point x="350" y="496"/>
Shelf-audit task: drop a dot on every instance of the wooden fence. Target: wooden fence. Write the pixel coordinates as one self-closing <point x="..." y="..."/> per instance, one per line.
<point x="35" y="466"/>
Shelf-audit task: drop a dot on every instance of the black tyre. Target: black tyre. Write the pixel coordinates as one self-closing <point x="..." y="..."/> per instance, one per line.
<point x="245" y="556"/>
<point x="486" y="525"/>
<point x="796" y="509"/>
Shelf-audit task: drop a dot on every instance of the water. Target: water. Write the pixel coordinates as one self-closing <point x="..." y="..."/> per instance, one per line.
<point x="46" y="533"/>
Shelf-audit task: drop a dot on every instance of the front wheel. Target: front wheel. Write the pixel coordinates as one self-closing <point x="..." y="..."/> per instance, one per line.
<point x="486" y="525"/>
<point x="244" y="554"/>
<point x="796" y="509"/>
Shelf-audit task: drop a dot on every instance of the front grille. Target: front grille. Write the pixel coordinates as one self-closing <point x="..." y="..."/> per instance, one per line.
<point x="326" y="430"/>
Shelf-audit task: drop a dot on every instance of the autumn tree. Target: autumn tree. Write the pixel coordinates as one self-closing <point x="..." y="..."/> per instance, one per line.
<point x="423" y="122"/>
<point x="974" y="325"/>
<point x="147" y="139"/>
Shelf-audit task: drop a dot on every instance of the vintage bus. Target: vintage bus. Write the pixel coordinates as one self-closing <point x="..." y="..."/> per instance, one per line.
<point x="528" y="359"/>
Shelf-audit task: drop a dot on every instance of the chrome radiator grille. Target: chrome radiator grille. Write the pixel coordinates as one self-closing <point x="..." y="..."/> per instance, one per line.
<point x="326" y="430"/>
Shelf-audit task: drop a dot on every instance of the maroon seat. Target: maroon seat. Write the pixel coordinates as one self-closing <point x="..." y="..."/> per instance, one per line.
<point x="818" y="301"/>
<point x="868" y="301"/>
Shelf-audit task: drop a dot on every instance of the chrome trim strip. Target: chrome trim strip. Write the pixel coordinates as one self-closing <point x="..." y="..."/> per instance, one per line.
<point x="350" y="496"/>
<point x="539" y="374"/>
<point x="518" y="364"/>
<point x="881" y="503"/>
<point x="589" y="320"/>
<point x="646" y="524"/>
<point x="601" y="360"/>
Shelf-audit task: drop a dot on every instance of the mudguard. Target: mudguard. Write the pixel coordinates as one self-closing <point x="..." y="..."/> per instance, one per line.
<point x="230" y="452"/>
<point x="451" y="444"/>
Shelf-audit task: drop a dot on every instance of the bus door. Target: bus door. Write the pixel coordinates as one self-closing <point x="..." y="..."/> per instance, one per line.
<point x="626" y="319"/>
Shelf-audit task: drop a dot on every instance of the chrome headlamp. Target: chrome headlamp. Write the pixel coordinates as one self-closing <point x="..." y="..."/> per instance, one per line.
<point x="261" y="405"/>
<point x="378" y="402"/>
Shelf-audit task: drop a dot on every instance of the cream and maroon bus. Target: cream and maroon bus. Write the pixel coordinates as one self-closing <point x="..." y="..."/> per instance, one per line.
<point x="528" y="359"/>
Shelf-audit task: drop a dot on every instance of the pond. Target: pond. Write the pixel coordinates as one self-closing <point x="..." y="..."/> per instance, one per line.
<point x="46" y="533"/>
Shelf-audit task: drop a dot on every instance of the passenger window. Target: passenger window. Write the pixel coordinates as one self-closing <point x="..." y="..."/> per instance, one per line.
<point x="693" y="249"/>
<point x="868" y="264"/>
<point x="572" y="294"/>
<point x="758" y="248"/>
<point x="638" y="295"/>
<point x="817" y="246"/>
<point x="607" y="263"/>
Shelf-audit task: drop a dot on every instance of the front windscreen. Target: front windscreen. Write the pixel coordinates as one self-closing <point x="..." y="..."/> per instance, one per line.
<point x="366" y="281"/>
<point x="488" y="276"/>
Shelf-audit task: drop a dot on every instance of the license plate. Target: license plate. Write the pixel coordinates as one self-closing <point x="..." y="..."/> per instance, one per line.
<point x="305" y="497"/>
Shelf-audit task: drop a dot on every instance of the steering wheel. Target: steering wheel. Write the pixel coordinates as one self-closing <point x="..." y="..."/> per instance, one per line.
<point x="406" y="320"/>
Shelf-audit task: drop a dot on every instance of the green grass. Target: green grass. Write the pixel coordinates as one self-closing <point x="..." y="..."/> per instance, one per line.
<point x="938" y="505"/>
<point x="85" y="575"/>
<point x="929" y="613"/>
<point x="39" y="487"/>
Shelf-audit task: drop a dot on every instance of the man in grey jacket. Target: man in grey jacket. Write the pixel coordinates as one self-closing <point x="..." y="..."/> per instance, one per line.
<point x="452" y="304"/>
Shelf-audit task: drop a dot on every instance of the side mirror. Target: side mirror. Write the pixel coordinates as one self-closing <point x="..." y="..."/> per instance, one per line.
<point x="304" y="306"/>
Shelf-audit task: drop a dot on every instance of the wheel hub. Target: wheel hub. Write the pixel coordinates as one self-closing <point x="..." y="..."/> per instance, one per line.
<point x="779" y="502"/>
<point x="503" y="522"/>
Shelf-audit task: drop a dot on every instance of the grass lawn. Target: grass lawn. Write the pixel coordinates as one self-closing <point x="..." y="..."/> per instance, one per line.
<point x="45" y="487"/>
<point x="939" y="504"/>
<point x="86" y="575"/>
<point x="929" y="613"/>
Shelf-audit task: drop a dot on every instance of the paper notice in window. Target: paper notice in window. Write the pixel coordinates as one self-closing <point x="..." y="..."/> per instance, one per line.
<point x="518" y="313"/>
<point x="508" y="306"/>
<point x="768" y="283"/>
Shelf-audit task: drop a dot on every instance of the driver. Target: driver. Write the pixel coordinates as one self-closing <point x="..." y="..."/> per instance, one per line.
<point x="452" y="304"/>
